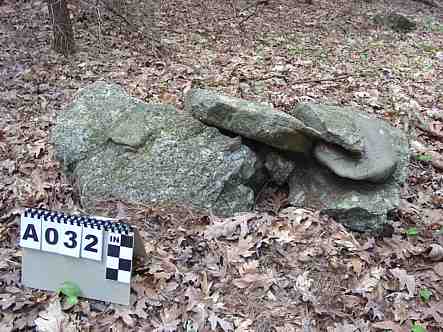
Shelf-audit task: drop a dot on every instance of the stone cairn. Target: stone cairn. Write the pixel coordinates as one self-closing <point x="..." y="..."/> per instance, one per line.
<point x="217" y="154"/>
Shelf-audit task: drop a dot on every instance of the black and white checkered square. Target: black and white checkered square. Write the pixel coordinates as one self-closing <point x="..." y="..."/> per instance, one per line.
<point x="119" y="257"/>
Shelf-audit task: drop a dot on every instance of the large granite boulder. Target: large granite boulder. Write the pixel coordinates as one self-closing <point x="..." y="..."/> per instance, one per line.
<point x="363" y="147"/>
<point x="255" y="121"/>
<point x="122" y="148"/>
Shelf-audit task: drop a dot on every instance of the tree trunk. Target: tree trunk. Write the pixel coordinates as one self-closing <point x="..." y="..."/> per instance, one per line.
<point x="63" y="40"/>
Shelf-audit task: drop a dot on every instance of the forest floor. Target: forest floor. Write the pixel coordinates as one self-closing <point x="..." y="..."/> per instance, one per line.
<point x="281" y="269"/>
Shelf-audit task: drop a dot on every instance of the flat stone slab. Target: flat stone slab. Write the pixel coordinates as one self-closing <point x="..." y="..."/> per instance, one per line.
<point x="334" y="124"/>
<point x="255" y="121"/>
<point x="376" y="164"/>
<point x="120" y="147"/>
<point x="352" y="144"/>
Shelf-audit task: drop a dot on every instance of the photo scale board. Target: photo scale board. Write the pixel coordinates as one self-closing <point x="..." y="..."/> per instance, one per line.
<point x="93" y="252"/>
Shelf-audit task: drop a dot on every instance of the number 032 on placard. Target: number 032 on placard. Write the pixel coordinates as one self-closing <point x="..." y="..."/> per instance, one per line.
<point x="62" y="238"/>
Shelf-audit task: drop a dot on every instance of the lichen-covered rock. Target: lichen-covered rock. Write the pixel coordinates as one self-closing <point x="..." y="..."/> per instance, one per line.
<point x="352" y="144"/>
<point x="255" y="121"/>
<point x="334" y="124"/>
<point x="379" y="159"/>
<point x="359" y="205"/>
<point x="123" y="148"/>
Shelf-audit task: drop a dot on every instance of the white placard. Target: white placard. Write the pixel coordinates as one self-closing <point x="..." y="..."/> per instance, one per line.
<point x="63" y="239"/>
<point x="30" y="233"/>
<point x="92" y="243"/>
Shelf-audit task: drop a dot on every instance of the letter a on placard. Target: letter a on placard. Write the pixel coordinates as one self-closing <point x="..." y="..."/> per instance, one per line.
<point x="30" y="233"/>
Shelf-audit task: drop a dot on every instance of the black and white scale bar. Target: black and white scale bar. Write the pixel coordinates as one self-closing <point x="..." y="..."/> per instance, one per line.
<point x="119" y="257"/>
<point x="86" y="221"/>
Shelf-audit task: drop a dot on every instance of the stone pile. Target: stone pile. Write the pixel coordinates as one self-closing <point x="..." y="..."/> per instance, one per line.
<point x="217" y="154"/>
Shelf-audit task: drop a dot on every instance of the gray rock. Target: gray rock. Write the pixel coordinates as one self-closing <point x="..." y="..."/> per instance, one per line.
<point x="334" y="124"/>
<point x="255" y="121"/>
<point x="120" y="147"/>
<point x="359" y="205"/>
<point x="396" y="22"/>
<point x="352" y="144"/>
<point x="379" y="159"/>
<point x="278" y="167"/>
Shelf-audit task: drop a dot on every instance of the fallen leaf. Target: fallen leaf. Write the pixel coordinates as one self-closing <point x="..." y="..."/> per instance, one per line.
<point x="214" y="320"/>
<point x="405" y="280"/>
<point x="375" y="310"/>
<point x="125" y="314"/>
<point x="241" y="250"/>
<point x="295" y="215"/>
<point x="168" y="98"/>
<point x="389" y="325"/>
<point x="357" y="265"/>
<point x="285" y="328"/>
<point x="435" y="311"/>
<point x="436" y="159"/>
<point x="169" y="320"/>
<point x="228" y="226"/>
<point x="245" y="324"/>
<point x="400" y="310"/>
<point x="256" y="280"/>
<point x="436" y="253"/>
<point x="53" y="319"/>
<point x="303" y="285"/>
<point x="438" y="268"/>
<point x="37" y="148"/>
<point x="345" y="327"/>
<point x="369" y="281"/>
<point x="436" y="129"/>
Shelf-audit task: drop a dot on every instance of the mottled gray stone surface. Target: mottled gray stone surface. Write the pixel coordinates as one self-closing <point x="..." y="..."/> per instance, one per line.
<point x="359" y="205"/>
<point x="255" y="121"/>
<point x="379" y="159"/>
<point x="334" y="124"/>
<point x="278" y="167"/>
<point x="120" y="147"/>
<point x="352" y="144"/>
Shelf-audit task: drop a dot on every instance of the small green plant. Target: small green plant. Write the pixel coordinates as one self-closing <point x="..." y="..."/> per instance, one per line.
<point x="440" y="231"/>
<point x="424" y="157"/>
<point x="425" y="294"/>
<point x="71" y="291"/>
<point x="364" y="56"/>
<point x="417" y="328"/>
<point x="412" y="231"/>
